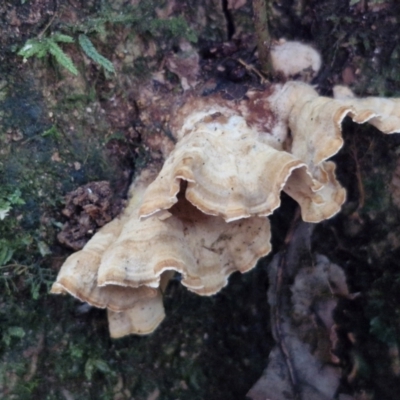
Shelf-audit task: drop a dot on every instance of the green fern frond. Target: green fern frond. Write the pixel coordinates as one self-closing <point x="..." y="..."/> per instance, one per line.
<point x="33" y="47"/>
<point x="91" y="52"/>
<point x="59" y="37"/>
<point x="61" y="57"/>
<point x="43" y="51"/>
<point x="41" y="47"/>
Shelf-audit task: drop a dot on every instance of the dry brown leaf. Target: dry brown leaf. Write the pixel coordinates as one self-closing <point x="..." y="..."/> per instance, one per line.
<point x="300" y="366"/>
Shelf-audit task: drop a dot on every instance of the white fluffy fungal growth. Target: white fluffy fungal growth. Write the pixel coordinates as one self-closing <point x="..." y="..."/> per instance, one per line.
<point x="295" y="59"/>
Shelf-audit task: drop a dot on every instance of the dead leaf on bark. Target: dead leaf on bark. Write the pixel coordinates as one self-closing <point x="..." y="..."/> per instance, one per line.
<point x="303" y="294"/>
<point x="235" y="4"/>
<point x="87" y="208"/>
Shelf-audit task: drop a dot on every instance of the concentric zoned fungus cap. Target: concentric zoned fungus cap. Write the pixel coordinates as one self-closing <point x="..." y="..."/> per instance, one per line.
<point x="78" y="275"/>
<point x="229" y="172"/>
<point x="204" y="214"/>
<point x="124" y="265"/>
<point x="203" y="248"/>
<point x="236" y="159"/>
<point x="315" y="126"/>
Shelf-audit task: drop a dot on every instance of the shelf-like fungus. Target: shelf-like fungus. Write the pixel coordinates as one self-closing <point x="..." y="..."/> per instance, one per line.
<point x="204" y="214"/>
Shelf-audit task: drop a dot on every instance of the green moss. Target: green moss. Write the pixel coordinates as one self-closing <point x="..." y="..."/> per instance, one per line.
<point x="36" y="171"/>
<point x="189" y="356"/>
<point x="377" y="195"/>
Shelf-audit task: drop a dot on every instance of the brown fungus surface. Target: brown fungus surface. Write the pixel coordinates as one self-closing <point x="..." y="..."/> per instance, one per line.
<point x="204" y="214"/>
<point x="203" y="248"/>
<point x="78" y="275"/>
<point x="315" y="125"/>
<point x="237" y="157"/>
<point x="228" y="170"/>
<point x="127" y="264"/>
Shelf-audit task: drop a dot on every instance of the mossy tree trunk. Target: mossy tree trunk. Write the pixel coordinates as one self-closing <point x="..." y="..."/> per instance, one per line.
<point x="60" y="131"/>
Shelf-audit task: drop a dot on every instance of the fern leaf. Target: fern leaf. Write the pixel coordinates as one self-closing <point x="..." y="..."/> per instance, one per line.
<point x="32" y="47"/>
<point x="62" y="58"/>
<point x="59" y="37"/>
<point x="91" y="52"/>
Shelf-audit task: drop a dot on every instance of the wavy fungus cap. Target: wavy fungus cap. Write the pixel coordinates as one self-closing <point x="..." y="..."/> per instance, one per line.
<point x="204" y="214"/>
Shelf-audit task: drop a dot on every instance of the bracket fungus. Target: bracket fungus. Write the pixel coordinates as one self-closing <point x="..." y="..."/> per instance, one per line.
<point x="204" y="214"/>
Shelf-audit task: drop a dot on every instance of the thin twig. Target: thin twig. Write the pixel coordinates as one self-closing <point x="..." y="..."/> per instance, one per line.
<point x="260" y="15"/>
<point x="253" y="69"/>
<point x="278" y="326"/>
<point x="361" y="191"/>
<point x="301" y="7"/>
<point x="50" y="22"/>
<point x="364" y="6"/>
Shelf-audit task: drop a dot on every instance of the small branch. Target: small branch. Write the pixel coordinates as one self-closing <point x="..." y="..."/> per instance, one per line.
<point x="250" y="68"/>
<point x="260" y="15"/>
<point x="278" y="327"/>
<point x="42" y="32"/>
<point x="361" y="191"/>
<point x="280" y="335"/>
<point x="364" y="6"/>
<point x="301" y="7"/>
